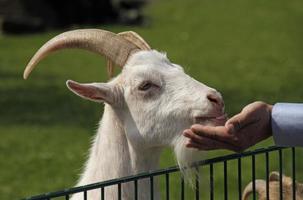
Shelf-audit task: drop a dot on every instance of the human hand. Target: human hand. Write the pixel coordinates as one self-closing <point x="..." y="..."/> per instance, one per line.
<point x="240" y="132"/>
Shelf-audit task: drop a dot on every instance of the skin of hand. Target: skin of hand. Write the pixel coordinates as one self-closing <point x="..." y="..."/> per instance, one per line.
<point x="250" y="126"/>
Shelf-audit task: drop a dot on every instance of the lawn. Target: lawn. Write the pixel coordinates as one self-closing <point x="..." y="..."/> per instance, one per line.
<point x="248" y="50"/>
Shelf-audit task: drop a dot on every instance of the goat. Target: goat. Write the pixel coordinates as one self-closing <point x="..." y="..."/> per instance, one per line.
<point x="274" y="188"/>
<point x="147" y="106"/>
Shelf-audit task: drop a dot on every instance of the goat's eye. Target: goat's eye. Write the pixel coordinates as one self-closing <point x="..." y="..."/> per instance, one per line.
<point x="145" y="86"/>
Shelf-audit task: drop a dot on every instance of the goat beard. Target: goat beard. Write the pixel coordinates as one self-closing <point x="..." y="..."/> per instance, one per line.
<point x="186" y="157"/>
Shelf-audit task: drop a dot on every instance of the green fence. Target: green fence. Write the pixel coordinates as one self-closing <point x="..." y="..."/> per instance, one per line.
<point x="209" y="167"/>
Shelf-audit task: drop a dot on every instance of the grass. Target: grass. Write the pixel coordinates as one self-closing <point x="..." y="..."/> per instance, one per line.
<point x="248" y="50"/>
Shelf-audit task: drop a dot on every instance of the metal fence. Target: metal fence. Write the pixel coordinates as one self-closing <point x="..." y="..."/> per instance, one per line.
<point x="230" y="173"/>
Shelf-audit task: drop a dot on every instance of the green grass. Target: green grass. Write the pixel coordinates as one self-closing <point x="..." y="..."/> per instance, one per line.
<point x="248" y="50"/>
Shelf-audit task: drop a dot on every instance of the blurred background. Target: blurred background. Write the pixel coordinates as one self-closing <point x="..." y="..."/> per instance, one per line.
<point x="31" y="16"/>
<point x="248" y="50"/>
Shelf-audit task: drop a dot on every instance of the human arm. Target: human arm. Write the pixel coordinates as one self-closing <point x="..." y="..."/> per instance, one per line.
<point x="243" y="130"/>
<point x="256" y="122"/>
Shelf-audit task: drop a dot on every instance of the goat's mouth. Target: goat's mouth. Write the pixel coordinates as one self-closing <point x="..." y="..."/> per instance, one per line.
<point x="218" y="120"/>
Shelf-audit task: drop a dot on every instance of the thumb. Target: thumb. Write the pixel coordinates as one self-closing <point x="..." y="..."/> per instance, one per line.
<point x="237" y="122"/>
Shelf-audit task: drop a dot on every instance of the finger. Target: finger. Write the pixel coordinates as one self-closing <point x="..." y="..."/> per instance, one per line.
<point x="236" y="122"/>
<point x="189" y="134"/>
<point x="195" y="146"/>
<point x="214" y="141"/>
<point x="214" y="132"/>
<point x="207" y="143"/>
<point x="240" y="121"/>
<point x="210" y="144"/>
<point x="247" y="116"/>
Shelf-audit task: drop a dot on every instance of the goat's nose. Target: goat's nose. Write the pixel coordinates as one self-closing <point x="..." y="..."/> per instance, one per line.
<point x="215" y="99"/>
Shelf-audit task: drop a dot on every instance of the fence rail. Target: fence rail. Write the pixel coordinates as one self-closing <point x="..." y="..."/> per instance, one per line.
<point x="166" y="173"/>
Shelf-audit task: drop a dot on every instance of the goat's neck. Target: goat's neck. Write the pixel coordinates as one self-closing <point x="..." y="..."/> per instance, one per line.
<point x="113" y="156"/>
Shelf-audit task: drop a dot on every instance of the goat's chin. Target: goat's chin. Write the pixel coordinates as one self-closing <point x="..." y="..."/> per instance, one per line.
<point x="185" y="158"/>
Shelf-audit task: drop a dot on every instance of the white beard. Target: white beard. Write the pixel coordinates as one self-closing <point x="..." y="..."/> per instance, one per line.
<point x="185" y="158"/>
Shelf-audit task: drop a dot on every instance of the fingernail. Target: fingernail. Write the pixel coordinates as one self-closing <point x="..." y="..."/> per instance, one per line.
<point x="185" y="133"/>
<point x="228" y="125"/>
<point x="195" y="126"/>
<point x="188" y="145"/>
<point x="230" y="128"/>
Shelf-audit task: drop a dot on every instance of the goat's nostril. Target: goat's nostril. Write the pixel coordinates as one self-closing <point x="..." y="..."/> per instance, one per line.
<point x="214" y="99"/>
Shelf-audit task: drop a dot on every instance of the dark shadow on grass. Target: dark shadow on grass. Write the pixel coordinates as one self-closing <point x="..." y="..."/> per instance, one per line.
<point x="8" y="75"/>
<point x="45" y="104"/>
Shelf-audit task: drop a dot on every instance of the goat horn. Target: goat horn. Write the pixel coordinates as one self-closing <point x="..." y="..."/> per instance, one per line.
<point x="135" y="39"/>
<point x="113" y="47"/>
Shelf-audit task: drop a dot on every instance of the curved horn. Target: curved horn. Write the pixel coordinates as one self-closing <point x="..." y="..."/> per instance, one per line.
<point x="135" y="39"/>
<point x="115" y="48"/>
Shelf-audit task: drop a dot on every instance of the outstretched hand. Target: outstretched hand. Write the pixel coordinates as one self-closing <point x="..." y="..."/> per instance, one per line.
<point x="240" y="132"/>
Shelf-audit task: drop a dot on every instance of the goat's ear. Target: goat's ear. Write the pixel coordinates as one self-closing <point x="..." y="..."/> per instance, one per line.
<point x="98" y="92"/>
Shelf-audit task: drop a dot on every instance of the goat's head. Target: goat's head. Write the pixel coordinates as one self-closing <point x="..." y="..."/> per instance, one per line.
<point x="154" y="98"/>
<point x="274" y="188"/>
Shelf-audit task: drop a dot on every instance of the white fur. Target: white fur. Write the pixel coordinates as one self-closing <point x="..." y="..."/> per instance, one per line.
<point x="137" y="125"/>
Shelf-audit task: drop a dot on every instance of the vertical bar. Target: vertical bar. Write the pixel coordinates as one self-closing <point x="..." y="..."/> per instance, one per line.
<point x="136" y="189"/>
<point x="102" y="193"/>
<point x="152" y="188"/>
<point x="167" y="185"/>
<point x="280" y="174"/>
<point x="197" y="184"/>
<point x="67" y="197"/>
<point x="182" y="188"/>
<point x="267" y="174"/>
<point x="225" y="181"/>
<point x="239" y="178"/>
<point x="293" y="173"/>
<point x="85" y="195"/>
<point x="211" y="181"/>
<point x="119" y="191"/>
<point x="254" y="176"/>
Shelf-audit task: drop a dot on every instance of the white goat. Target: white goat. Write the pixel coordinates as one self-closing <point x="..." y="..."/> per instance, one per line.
<point x="147" y="106"/>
